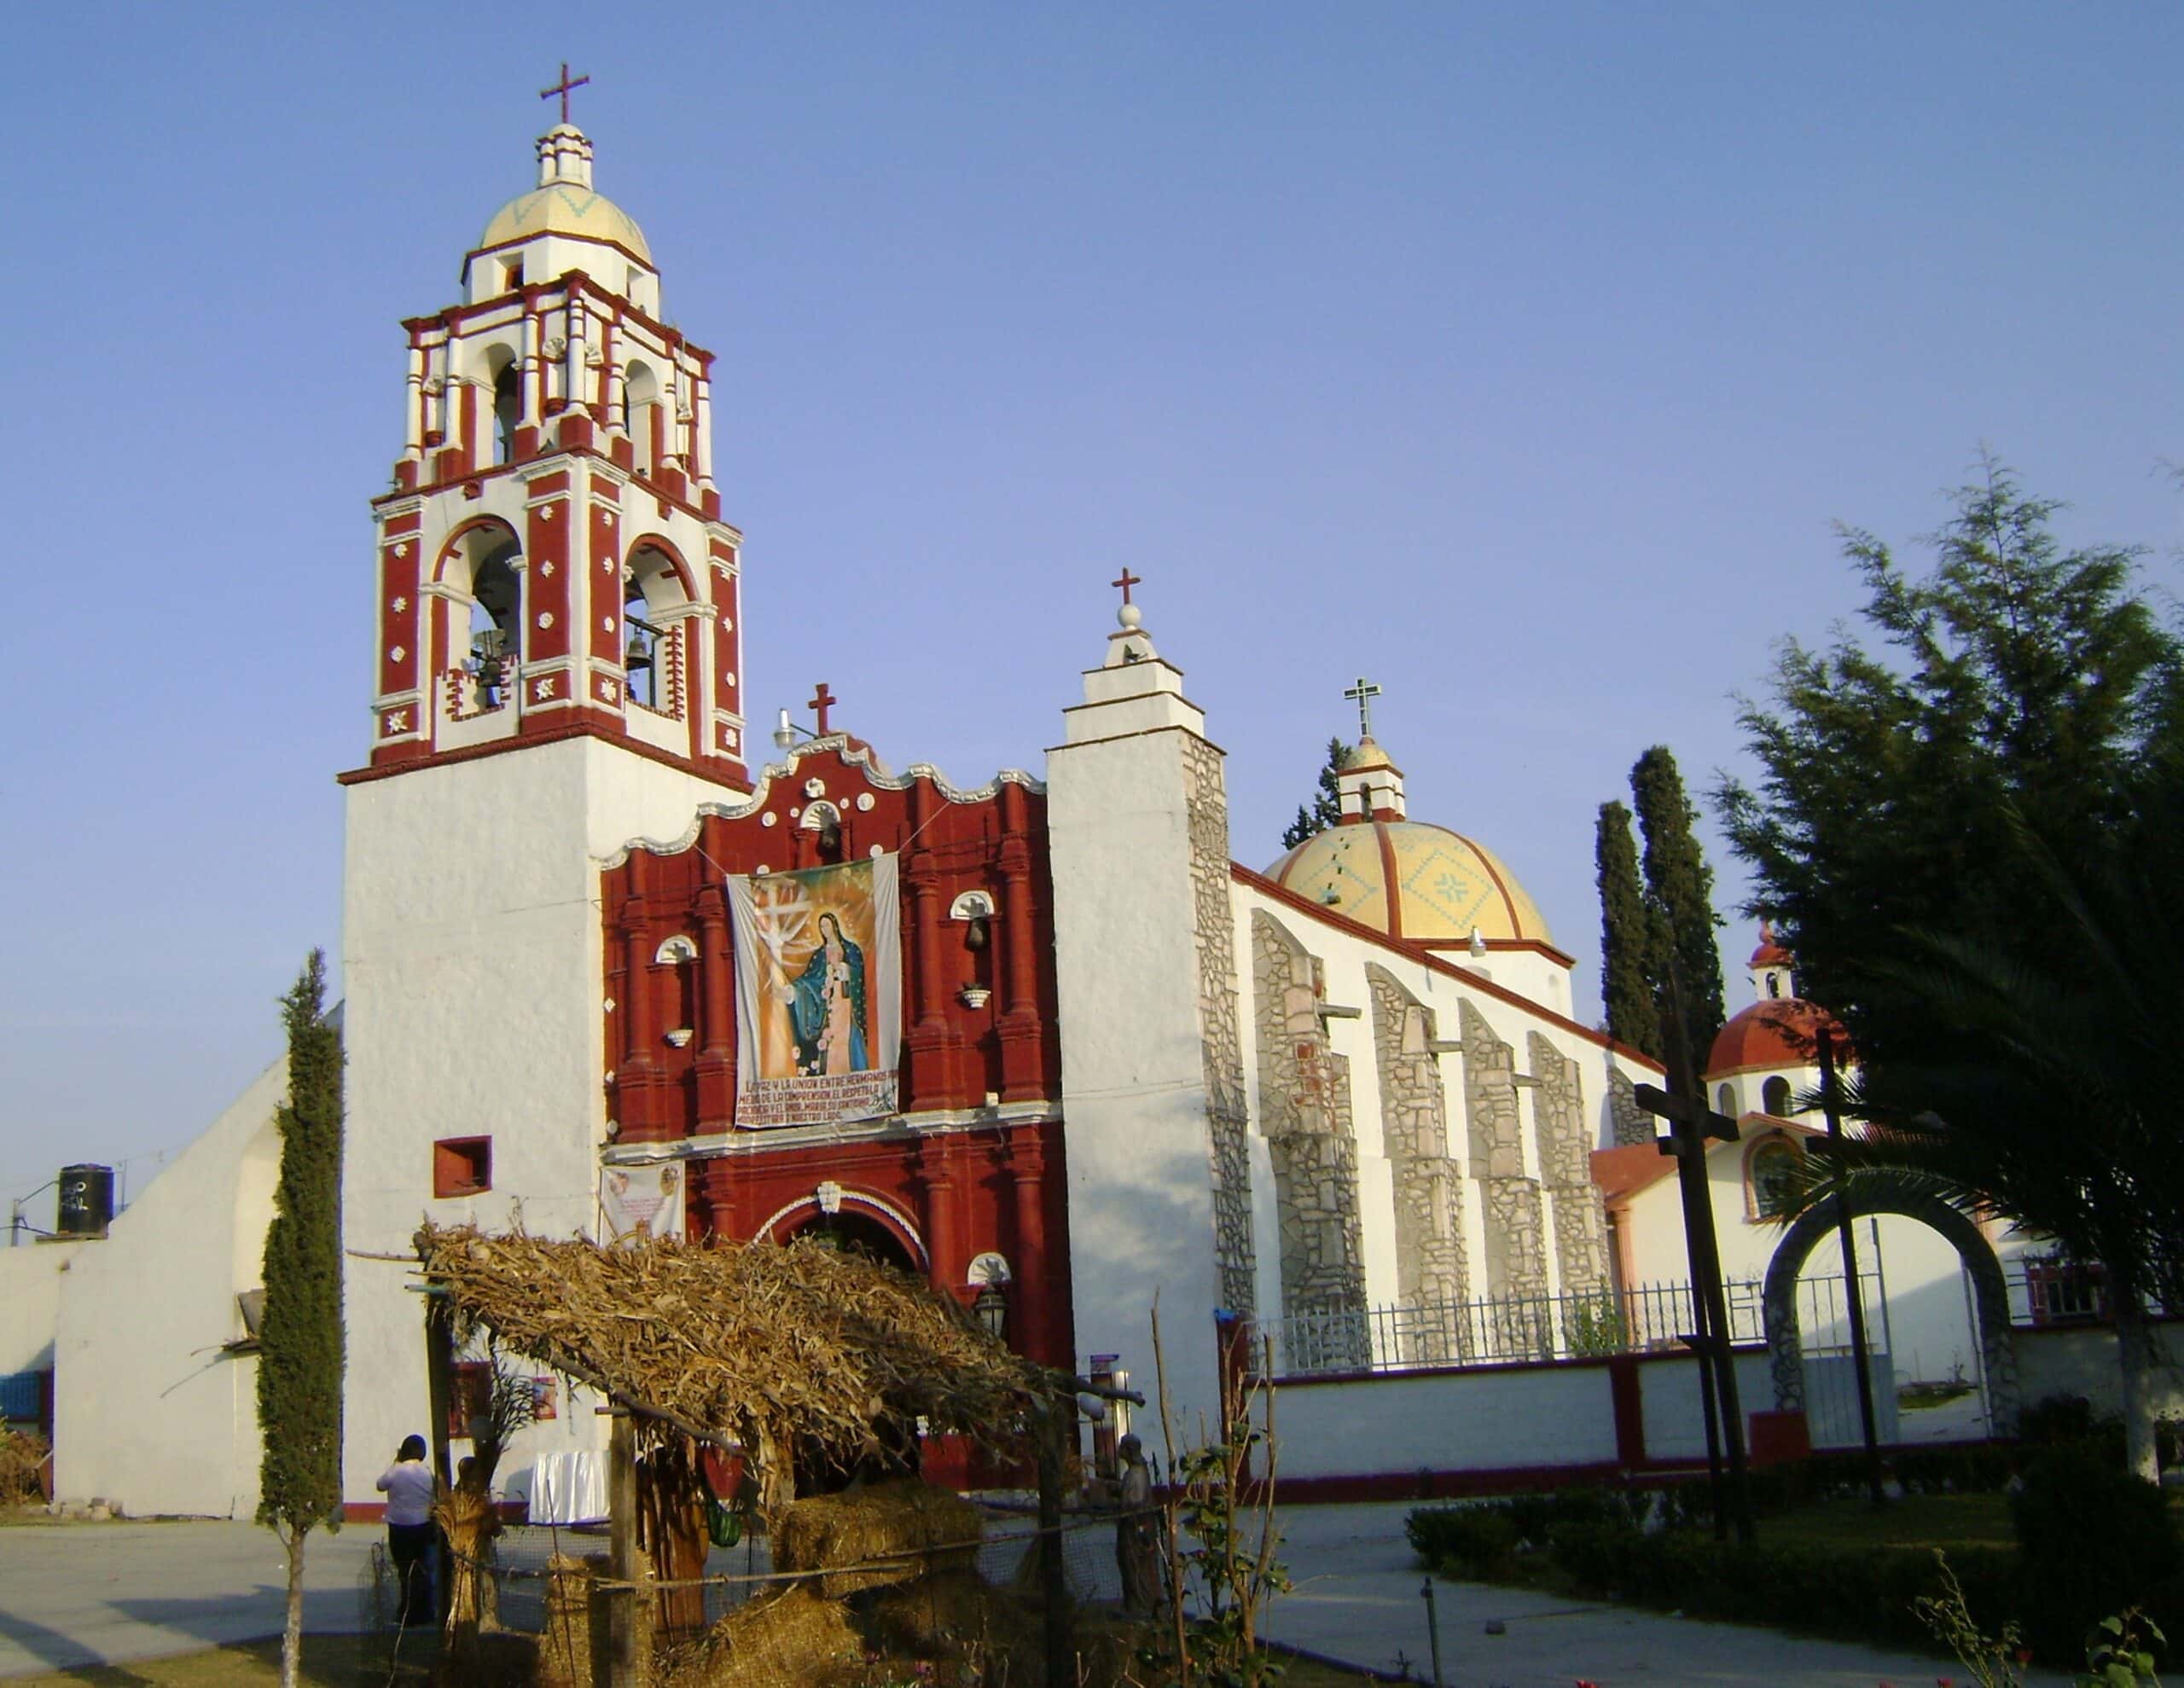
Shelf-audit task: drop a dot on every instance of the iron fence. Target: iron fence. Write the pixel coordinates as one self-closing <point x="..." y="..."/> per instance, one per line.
<point x="1518" y="1330"/>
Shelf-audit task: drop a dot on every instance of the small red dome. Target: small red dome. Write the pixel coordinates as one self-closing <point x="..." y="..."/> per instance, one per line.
<point x="1769" y="952"/>
<point x="1780" y="1032"/>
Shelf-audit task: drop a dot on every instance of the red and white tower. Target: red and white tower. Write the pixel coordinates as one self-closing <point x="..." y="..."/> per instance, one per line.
<point x="558" y="660"/>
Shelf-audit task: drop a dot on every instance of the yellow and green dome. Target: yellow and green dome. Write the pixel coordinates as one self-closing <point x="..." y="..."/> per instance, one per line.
<point x="1411" y="880"/>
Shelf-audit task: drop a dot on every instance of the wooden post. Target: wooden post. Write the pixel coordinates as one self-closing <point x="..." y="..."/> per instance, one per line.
<point x="1052" y="1423"/>
<point x="439" y="1390"/>
<point x="622" y="1550"/>
<point x="1848" y="1240"/>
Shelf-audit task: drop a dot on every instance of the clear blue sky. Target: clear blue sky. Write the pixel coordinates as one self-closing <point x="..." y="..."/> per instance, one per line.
<point x="1519" y="355"/>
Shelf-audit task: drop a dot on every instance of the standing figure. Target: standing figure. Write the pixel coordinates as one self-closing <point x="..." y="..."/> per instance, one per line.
<point x="1137" y="1549"/>
<point x="827" y="1005"/>
<point x="410" y="1489"/>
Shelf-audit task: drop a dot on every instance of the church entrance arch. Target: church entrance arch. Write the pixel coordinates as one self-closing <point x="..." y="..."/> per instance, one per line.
<point x="855" y="1223"/>
<point x="1990" y="1297"/>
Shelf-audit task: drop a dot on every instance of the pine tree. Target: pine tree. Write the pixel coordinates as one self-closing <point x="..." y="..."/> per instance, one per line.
<point x="1681" y="885"/>
<point x="300" y="1361"/>
<point x="1326" y="809"/>
<point x="1627" y="965"/>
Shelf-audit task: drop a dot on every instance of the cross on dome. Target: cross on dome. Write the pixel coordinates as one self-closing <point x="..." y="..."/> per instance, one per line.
<point x="821" y="701"/>
<point x="1362" y="694"/>
<point x="564" y="87"/>
<point x="1126" y="581"/>
<point x="1131" y="616"/>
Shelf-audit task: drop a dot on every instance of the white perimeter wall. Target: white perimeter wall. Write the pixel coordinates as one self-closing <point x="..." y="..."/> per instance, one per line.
<point x="473" y="960"/>
<point x="30" y="1303"/>
<point x="149" y="1413"/>
<point x="1498" y="1419"/>
<point x="2080" y="1360"/>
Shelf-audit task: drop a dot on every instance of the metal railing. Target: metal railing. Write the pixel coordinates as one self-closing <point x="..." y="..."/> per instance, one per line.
<point x="1523" y="1329"/>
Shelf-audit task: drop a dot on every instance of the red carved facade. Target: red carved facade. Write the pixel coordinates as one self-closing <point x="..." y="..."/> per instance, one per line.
<point x="975" y="1165"/>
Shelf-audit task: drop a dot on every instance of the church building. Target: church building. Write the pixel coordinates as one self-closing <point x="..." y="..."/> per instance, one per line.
<point x="613" y="969"/>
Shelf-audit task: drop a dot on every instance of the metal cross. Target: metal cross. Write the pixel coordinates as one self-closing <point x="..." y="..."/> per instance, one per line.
<point x="821" y="701"/>
<point x="1128" y="581"/>
<point x="562" y="88"/>
<point x="1362" y="694"/>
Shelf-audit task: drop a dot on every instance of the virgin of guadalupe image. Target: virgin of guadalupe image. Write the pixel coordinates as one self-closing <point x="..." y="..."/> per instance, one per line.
<point x="826" y="1005"/>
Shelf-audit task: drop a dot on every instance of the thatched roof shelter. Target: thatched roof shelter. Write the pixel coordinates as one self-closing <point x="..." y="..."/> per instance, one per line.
<point x="753" y="1342"/>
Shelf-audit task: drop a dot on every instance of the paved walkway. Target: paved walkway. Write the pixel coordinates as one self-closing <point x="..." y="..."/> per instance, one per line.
<point x="1357" y="1600"/>
<point x="87" y="1594"/>
<point x="99" y="1593"/>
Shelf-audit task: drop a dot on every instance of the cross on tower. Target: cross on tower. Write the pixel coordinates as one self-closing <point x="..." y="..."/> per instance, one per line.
<point x="1127" y="581"/>
<point x="562" y="88"/>
<point x="1362" y="694"/>
<point x="821" y="701"/>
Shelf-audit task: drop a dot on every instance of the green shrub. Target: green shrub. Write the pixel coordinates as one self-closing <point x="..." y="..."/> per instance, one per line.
<point x="2092" y="1540"/>
<point x="1469" y="1542"/>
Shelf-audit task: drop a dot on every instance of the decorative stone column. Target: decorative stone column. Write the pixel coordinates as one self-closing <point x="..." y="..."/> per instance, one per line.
<point x="1020" y="1028"/>
<point x="1304" y="1093"/>
<point x="1027" y="1171"/>
<point x="1514" y="1248"/>
<point x="715" y="964"/>
<point x="1565" y="1169"/>
<point x="1433" y="1267"/>
<point x="936" y="1179"/>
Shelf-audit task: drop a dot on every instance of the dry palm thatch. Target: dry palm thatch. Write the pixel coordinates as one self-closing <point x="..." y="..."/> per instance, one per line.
<point x="754" y="1343"/>
<point x="22" y="1457"/>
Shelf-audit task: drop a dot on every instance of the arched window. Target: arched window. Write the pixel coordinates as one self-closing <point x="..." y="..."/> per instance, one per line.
<point x="1774" y="986"/>
<point x="508" y="411"/>
<point x="1725" y="1099"/>
<point x="1774" y="1097"/>
<point x="1773" y="1169"/>
<point x="640" y="409"/>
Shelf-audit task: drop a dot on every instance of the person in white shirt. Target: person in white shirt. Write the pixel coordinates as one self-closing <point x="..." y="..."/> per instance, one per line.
<point x="410" y="1489"/>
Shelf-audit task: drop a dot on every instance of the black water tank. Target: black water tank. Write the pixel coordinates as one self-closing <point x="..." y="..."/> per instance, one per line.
<point x="86" y="1201"/>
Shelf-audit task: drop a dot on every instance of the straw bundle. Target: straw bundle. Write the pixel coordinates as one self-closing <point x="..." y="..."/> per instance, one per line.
<point x="468" y="1521"/>
<point x="22" y="1456"/>
<point x="793" y="1639"/>
<point x="916" y="1528"/>
<point x="955" y="1617"/>
<point x="752" y="1342"/>
<point x="565" y="1647"/>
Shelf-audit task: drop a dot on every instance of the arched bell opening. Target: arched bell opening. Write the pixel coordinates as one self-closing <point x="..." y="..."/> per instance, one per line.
<point x="655" y="597"/>
<point x="480" y="612"/>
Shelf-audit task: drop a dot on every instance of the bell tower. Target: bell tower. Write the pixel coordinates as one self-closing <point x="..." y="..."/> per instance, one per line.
<point x="552" y="562"/>
<point x="557" y="671"/>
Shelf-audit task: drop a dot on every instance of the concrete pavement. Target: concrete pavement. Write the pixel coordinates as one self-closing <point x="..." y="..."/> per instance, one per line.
<point x="91" y="1593"/>
<point x="1357" y="1600"/>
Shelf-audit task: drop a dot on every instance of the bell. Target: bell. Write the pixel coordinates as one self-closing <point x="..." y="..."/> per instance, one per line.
<point x="639" y="655"/>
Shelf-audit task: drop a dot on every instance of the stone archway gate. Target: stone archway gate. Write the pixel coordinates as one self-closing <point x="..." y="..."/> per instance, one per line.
<point x="1990" y="1295"/>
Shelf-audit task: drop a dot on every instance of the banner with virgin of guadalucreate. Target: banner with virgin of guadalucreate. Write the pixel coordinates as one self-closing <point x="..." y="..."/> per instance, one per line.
<point x="818" y="993"/>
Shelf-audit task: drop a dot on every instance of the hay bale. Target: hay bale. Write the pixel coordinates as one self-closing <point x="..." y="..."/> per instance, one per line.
<point x="915" y="1529"/>
<point x="565" y="1647"/>
<point x="793" y="1639"/>
<point x="954" y="1617"/>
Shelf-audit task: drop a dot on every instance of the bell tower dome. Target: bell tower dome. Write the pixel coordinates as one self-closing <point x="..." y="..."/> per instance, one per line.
<point x="552" y="561"/>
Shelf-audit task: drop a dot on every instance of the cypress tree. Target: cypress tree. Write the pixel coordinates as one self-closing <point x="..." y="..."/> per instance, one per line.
<point x="1326" y="807"/>
<point x="1627" y="933"/>
<point x="300" y="1361"/>
<point x="1681" y="884"/>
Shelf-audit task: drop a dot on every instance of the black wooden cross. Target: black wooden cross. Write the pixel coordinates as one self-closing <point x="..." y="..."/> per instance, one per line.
<point x="562" y="88"/>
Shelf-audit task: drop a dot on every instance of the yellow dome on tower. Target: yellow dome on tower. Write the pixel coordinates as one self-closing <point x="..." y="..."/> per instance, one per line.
<point x="1444" y="886"/>
<point x="565" y="202"/>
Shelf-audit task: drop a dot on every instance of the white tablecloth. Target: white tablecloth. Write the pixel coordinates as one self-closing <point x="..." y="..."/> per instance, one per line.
<point x="568" y="1488"/>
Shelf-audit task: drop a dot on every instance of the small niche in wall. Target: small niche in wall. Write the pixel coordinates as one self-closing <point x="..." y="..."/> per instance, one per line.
<point x="462" y="1166"/>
